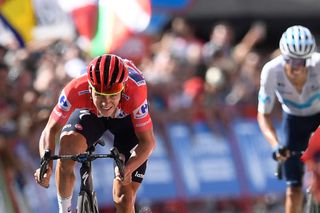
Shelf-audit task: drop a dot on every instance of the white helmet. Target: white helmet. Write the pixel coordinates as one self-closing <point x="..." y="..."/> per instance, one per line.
<point x="297" y="42"/>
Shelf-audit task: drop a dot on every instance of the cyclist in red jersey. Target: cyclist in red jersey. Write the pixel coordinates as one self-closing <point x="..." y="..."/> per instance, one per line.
<point x="311" y="157"/>
<point x="112" y="96"/>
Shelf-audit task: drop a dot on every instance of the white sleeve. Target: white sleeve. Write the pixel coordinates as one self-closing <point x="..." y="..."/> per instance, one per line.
<point x="266" y="97"/>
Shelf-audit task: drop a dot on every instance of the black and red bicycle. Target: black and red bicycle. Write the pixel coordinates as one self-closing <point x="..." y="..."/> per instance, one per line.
<point x="87" y="199"/>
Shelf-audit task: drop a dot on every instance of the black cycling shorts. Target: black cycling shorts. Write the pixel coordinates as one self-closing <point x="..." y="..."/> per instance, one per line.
<point x="93" y="127"/>
<point x="297" y="131"/>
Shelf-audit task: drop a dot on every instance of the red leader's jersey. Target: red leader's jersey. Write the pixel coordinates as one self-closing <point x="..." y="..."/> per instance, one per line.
<point x="313" y="146"/>
<point x="133" y="102"/>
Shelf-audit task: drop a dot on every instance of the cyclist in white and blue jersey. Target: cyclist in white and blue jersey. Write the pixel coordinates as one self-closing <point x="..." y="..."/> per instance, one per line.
<point x="294" y="78"/>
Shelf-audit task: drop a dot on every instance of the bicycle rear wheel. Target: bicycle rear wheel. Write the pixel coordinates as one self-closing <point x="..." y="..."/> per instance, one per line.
<point x="87" y="204"/>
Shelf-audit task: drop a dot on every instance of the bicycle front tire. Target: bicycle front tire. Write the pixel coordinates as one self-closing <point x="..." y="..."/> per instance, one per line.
<point x="311" y="205"/>
<point x="84" y="205"/>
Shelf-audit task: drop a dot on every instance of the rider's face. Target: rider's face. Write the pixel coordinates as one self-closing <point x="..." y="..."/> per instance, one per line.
<point x="106" y="104"/>
<point x="295" y="66"/>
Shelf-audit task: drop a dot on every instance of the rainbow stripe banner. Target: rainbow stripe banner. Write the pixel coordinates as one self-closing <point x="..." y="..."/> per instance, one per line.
<point x="118" y="20"/>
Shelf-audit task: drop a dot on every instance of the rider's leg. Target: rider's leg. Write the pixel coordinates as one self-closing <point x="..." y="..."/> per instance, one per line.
<point x="294" y="199"/>
<point x="124" y="196"/>
<point x="297" y="131"/>
<point x="70" y="143"/>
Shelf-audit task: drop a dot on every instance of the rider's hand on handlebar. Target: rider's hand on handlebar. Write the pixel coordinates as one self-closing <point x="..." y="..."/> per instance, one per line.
<point x="280" y="153"/>
<point x="46" y="178"/>
<point x="127" y="179"/>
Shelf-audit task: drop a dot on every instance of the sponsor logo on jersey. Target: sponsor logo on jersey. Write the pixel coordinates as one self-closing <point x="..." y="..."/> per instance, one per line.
<point x="82" y="92"/>
<point x="143" y="124"/>
<point x="83" y="113"/>
<point x="136" y="76"/>
<point x="264" y="99"/>
<point x="126" y="97"/>
<point x="66" y="126"/>
<point x="141" y="111"/>
<point x="284" y="92"/>
<point x="120" y="113"/>
<point x="78" y="127"/>
<point x="59" y="114"/>
<point x="64" y="104"/>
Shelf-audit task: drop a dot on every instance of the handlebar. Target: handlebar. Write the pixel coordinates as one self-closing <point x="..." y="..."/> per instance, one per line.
<point x="278" y="172"/>
<point x="81" y="158"/>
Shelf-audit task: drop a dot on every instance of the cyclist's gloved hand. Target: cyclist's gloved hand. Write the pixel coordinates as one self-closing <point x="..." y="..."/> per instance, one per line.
<point x="280" y="153"/>
<point x="46" y="178"/>
<point x="43" y="174"/>
<point x="127" y="179"/>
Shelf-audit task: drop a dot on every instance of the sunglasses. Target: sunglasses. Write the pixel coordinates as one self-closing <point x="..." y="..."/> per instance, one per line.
<point x="105" y="94"/>
<point x="295" y="62"/>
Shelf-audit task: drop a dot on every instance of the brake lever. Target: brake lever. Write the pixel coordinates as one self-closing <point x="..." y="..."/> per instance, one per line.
<point x="116" y="155"/>
<point x="44" y="163"/>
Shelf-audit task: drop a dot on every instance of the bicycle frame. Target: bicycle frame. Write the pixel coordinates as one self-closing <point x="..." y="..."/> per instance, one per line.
<point x="87" y="200"/>
<point x="86" y="187"/>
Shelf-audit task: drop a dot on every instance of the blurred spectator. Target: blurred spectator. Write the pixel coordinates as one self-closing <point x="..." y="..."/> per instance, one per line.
<point x="7" y="103"/>
<point x="256" y="34"/>
<point x="220" y="42"/>
<point x="245" y="86"/>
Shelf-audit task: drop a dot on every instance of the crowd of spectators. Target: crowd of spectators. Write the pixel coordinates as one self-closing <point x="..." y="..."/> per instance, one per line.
<point x="189" y="79"/>
<point x="212" y="81"/>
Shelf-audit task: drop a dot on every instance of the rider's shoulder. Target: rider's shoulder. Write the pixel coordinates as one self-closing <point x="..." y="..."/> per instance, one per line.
<point x="136" y="79"/>
<point x="77" y="85"/>
<point x="315" y="57"/>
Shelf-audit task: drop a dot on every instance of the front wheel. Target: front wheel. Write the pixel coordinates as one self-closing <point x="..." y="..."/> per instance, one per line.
<point x="85" y="204"/>
<point x="311" y="205"/>
<point x="95" y="203"/>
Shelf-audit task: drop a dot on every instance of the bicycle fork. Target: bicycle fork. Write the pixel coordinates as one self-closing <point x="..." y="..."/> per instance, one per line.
<point x="86" y="188"/>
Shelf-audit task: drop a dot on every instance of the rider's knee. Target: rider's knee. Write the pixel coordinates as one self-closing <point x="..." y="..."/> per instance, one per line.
<point x="294" y="191"/>
<point x="72" y="143"/>
<point x="66" y="166"/>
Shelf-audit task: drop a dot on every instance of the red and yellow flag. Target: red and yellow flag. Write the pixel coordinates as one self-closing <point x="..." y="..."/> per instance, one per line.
<point x="18" y="16"/>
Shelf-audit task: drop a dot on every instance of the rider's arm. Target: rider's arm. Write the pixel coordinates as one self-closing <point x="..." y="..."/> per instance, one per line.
<point x="142" y="152"/>
<point x="141" y="120"/>
<point x="47" y="141"/>
<point x="267" y="128"/>
<point x="48" y="136"/>
<point x="266" y="103"/>
<point x="58" y="117"/>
